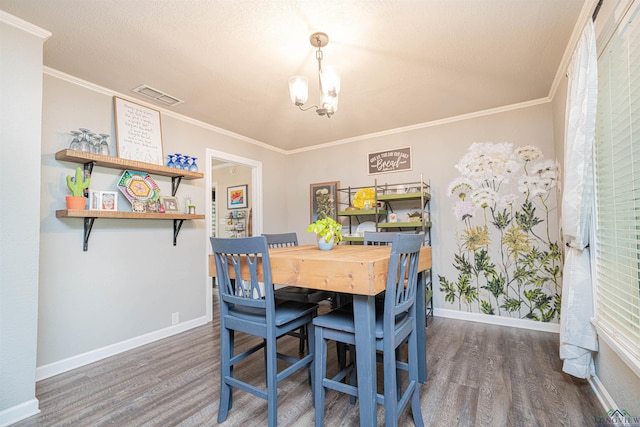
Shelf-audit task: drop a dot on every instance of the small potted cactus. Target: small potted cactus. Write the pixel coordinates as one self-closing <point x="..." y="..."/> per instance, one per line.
<point x="77" y="185"/>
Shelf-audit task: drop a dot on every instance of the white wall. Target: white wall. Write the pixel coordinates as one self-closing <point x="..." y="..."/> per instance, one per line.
<point x="20" y="113"/>
<point x="124" y="289"/>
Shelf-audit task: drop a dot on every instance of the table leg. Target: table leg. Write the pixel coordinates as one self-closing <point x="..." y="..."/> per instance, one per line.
<point x="421" y="325"/>
<point x="364" y="311"/>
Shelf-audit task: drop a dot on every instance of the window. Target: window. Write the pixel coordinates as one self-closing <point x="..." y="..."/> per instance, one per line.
<point x="617" y="174"/>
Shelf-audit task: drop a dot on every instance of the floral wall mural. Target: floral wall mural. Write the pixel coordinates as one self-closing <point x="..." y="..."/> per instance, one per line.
<point x="507" y="262"/>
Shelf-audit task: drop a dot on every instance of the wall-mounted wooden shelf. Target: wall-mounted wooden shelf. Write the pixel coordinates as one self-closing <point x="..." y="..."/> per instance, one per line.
<point x="89" y="160"/>
<point x="66" y="213"/>
<point x="118" y="163"/>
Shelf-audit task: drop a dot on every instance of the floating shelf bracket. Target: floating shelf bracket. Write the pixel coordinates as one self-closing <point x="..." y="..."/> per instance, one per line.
<point x="177" y="224"/>
<point x="88" y="168"/>
<point x="88" y="225"/>
<point x="175" y="183"/>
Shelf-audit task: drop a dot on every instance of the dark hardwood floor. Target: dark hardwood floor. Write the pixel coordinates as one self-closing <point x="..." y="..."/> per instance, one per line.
<point x="479" y="375"/>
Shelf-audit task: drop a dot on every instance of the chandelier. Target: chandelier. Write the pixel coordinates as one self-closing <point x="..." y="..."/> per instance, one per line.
<point x="327" y="77"/>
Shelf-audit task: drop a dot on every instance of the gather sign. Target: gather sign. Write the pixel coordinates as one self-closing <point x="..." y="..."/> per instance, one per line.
<point x="398" y="159"/>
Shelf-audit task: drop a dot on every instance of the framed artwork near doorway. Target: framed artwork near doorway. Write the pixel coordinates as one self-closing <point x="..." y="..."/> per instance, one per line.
<point x="324" y="200"/>
<point x="237" y="197"/>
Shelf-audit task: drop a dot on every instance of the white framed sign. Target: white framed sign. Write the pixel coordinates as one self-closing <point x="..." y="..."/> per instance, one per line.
<point x="395" y="160"/>
<point x="138" y="132"/>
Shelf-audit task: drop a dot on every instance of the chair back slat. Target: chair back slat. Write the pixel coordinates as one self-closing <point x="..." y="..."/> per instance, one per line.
<point x="402" y="278"/>
<point x="243" y="254"/>
<point x="378" y="238"/>
<point x="281" y="240"/>
<point x="382" y="238"/>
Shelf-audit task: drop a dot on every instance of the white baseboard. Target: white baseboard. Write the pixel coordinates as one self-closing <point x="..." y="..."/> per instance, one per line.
<point x="19" y="412"/>
<point x="65" y="365"/>
<point x="602" y="394"/>
<point x="498" y="320"/>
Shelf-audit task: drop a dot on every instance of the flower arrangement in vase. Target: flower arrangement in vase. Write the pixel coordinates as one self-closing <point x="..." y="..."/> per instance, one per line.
<point x="327" y="231"/>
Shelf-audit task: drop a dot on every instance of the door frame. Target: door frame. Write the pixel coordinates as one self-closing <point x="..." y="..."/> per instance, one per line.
<point x="256" y="205"/>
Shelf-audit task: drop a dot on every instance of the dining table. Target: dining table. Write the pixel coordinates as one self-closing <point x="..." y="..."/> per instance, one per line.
<point x="362" y="272"/>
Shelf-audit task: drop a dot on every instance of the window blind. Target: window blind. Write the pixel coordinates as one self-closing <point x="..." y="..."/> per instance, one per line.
<point x="617" y="175"/>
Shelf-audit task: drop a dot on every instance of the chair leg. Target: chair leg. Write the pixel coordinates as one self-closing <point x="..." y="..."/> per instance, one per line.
<point x="303" y="338"/>
<point x="353" y="376"/>
<point x="272" y="382"/>
<point x="414" y="378"/>
<point x="225" y="372"/>
<point x="319" y="361"/>
<point x="311" y="345"/>
<point x="398" y="370"/>
<point x="232" y="350"/>
<point x="390" y="384"/>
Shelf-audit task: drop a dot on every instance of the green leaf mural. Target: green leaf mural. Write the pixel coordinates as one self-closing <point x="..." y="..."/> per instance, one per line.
<point x="507" y="263"/>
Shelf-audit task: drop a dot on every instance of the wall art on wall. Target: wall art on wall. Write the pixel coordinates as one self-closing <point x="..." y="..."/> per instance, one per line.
<point x="237" y="197"/>
<point x="324" y="199"/>
<point x="395" y="160"/>
<point x="507" y="262"/>
<point x="138" y="132"/>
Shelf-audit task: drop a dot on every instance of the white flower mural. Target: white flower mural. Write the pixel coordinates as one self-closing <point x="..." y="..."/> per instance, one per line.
<point x="507" y="262"/>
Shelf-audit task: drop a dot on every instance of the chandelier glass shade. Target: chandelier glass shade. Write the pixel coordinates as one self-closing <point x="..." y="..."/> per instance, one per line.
<point x="328" y="79"/>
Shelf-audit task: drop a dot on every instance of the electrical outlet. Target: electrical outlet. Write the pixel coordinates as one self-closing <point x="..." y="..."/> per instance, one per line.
<point x="175" y="318"/>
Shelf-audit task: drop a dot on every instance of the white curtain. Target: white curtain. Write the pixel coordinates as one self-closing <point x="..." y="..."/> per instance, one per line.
<point x="578" y="339"/>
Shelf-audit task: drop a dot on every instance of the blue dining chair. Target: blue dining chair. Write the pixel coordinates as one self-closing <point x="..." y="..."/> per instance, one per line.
<point x="295" y="293"/>
<point x="395" y="325"/>
<point x="381" y="238"/>
<point x="248" y="305"/>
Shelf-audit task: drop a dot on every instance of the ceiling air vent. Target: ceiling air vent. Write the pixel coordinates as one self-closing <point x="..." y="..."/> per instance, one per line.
<point x="157" y="95"/>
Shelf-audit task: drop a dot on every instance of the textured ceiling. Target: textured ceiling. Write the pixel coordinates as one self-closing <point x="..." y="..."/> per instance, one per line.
<point x="402" y="63"/>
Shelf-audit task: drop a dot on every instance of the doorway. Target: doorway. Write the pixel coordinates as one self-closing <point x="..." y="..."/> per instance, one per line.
<point x="214" y="160"/>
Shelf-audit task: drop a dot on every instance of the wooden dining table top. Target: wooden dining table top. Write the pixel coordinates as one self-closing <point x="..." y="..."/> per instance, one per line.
<point x="353" y="269"/>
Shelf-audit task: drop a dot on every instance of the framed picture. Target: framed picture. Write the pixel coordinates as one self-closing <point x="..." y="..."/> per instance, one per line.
<point x="138" y="132"/>
<point x="103" y="200"/>
<point x="237" y="197"/>
<point x="170" y="204"/>
<point x="324" y="200"/>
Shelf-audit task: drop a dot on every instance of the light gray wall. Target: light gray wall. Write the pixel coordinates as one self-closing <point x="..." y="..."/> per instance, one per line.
<point x="20" y="113"/>
<point x="435" y="151"/>
<point x="132" y="278"/>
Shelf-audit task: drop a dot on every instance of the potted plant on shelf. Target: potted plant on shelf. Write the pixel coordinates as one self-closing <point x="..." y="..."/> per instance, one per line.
<point x="327" y="232"/>
<point x="77" y="185"/>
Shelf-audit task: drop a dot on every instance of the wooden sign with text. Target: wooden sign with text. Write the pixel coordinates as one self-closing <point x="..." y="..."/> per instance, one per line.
<point x="398" y="159"/>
